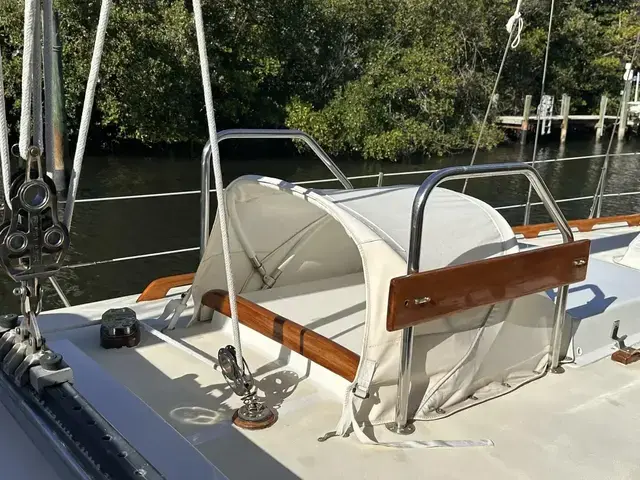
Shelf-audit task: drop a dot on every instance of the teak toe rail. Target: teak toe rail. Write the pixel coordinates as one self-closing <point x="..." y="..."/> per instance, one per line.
<point x="420" y="297"/>
<point x="160" y="286"/>
<point x="582" y="225"/>
<point x="309" y="344"/>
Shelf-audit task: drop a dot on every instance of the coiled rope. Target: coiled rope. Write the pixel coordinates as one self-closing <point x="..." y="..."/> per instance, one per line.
<point x="516" y="19"/>
<point x="217" y="173"/>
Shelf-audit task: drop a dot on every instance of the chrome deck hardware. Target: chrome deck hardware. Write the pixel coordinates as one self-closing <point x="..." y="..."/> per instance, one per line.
<point x="253" y="415"/>
<point x="33" y="243"/>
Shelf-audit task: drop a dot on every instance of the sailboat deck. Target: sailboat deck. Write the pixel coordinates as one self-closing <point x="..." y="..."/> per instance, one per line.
<point x="608" y="243"/>
<point x="575" y="425"/>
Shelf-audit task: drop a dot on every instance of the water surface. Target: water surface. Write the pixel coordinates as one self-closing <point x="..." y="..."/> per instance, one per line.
<point x="110" y="229"/>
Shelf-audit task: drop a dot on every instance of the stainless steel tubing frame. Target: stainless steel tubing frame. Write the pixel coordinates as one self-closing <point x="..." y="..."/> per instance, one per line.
<point x="413" y="261"/>
<point x="205" y="164"/>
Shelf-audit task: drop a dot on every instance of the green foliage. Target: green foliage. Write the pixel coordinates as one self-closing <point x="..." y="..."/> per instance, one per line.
<point x="381" y="79"/>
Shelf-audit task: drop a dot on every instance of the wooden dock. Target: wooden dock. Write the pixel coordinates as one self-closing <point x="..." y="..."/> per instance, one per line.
<point x="516" y="121"/>
<point x="629" y="114"/>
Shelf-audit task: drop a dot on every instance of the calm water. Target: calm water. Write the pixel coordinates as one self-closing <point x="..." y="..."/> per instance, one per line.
<point x="110" y="229"/>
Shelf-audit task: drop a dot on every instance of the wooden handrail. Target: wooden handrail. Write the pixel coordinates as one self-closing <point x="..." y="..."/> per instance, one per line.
<point x="309" y="344"/>
<point x="160" y="286"/>
<point x="583" y="225"/>
<point x="421" y="297"/>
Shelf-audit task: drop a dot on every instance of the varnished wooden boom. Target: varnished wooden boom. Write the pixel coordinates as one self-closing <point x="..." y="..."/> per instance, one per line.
<point x="424" y="296"/>
<point x="315" y="347"/>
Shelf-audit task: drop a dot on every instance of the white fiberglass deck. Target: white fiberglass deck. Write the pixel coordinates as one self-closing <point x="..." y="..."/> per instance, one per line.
<point x="576" y="425"/>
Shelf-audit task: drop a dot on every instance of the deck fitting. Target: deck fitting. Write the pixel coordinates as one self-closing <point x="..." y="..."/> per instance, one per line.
<point x="408" y="429"/>
<point x="254" y="416"/>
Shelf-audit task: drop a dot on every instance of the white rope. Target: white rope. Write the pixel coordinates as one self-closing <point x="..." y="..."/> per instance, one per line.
<point x="38" y="134"/>
<point x="86" y="110"/>
<point x="527" y="210"/>
<point x="217" y="173"/>
<point x="27" y="76"/>
<point x="4" y="141"/>
<point x="516" y="19"/>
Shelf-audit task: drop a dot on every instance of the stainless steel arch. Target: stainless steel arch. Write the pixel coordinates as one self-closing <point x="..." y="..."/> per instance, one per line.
<point x="205" y="164"/>
<point x="413" y="262"/>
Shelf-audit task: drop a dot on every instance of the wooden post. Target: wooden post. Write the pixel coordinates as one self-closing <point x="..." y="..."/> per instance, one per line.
<point x="624" y="111"/>
<point x="524" y="128"/>
<point x="564" y="109"/>
<point x="603" y="111"/>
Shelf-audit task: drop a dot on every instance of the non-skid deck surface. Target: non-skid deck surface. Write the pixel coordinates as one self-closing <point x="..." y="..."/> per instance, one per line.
<point x="578" y="425"/>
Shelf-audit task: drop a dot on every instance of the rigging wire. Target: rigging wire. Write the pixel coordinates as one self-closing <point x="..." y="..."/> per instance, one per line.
<point x="516" y="18"/>
<point x="486" y="113"/>
<point x="527" y="210"/>
<point x="217" y="174"/>
<point x="596" y="206"/>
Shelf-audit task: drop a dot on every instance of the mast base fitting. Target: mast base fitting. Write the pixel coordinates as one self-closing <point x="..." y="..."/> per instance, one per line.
<point x="119" y="328"/>
<point x="254" y="417"/>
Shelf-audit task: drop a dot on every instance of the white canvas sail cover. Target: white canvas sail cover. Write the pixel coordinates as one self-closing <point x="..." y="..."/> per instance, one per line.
<point x="334" y="253"/>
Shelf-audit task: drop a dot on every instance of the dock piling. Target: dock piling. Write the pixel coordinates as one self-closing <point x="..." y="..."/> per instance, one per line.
<point x="603" y="111"/>
<point x="624" y="102"/>
<point x="564" y="111"/>
<point x="524" y="127"/>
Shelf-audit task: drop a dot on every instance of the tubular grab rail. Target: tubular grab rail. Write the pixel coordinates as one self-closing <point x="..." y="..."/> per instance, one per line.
<point x="413" y="260"/>
<point x="205" y="163"/>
